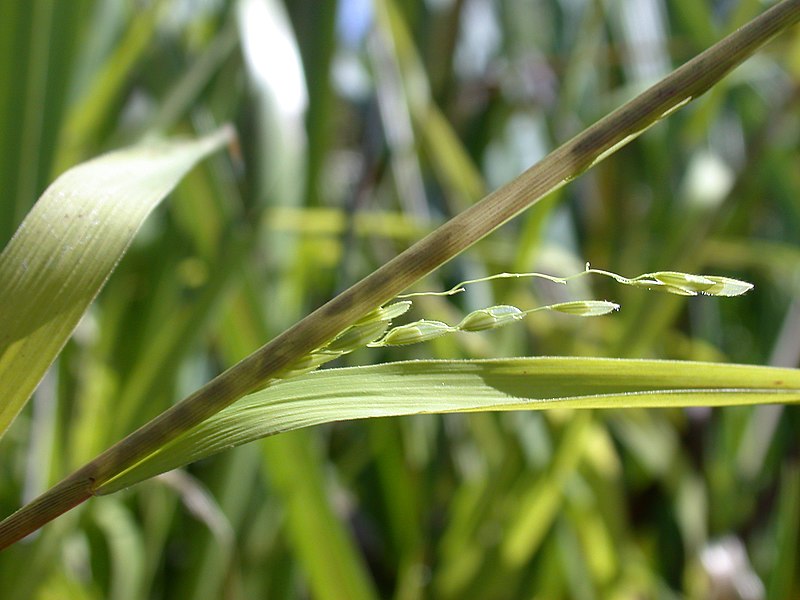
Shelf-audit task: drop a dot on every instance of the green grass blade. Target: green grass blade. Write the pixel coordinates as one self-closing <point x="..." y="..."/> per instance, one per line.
<point x="784" y="581"/>
<point x="86" y="116"/>
<point x="312" y="526"/>
<point x="126" y="548"/>
<point x="425" y="387"/>
<point x="67" y="247"/>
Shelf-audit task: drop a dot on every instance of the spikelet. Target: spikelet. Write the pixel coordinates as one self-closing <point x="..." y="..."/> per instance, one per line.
<point x="374" y="329"/>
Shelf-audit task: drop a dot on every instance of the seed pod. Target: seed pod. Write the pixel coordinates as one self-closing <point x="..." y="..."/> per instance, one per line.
<point x="489" y="318"/>
<point x="395" y="310"/>
<point x="357" y="336"/>
<point x="654" y="284"/>
<point x="726" y="286"/>
<point x="385" y="313"/>
<point x="419" y="331"/>
<point x="309" y="362"/>
<point x="683" y="281"/>
<point x="585" y="308"/>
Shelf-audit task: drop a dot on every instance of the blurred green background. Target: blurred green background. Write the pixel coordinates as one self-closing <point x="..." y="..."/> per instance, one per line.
<point x="362" y="125"/>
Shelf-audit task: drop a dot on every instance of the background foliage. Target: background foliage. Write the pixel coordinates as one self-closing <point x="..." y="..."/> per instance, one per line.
<point x="362" y="126"/>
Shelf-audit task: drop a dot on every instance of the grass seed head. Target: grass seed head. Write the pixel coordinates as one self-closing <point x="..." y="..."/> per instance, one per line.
<point x="684" y="281"/>
<point x="386" y="313"/>
<point x="309" y="362"/>
<point x="490" y="318"/>
<point x="413" y="333"/>
<point x="660" y="286"/>
<point x="726" y="286"/>
<point x="357" y="336"/>
<point x="585" y="308"/>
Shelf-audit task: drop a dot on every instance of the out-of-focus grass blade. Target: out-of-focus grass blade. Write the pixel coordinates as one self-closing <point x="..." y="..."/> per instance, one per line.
<point x="66" y="248"/>
<point x="784" y="581"/>
<point x="126" y="549"/>
<point x="420" y="387"/>
<point x="449" y="158"/>
<point x="86" y="116"/>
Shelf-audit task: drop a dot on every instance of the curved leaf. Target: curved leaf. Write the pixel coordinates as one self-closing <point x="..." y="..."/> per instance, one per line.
<point x="66" y="248"/>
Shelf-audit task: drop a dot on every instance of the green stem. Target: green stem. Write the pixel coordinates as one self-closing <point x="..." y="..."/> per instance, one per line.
<point x="555" y="170"/>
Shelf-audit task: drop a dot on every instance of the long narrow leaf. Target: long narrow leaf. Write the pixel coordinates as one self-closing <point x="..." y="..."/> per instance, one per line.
<point x="423" y="387"/>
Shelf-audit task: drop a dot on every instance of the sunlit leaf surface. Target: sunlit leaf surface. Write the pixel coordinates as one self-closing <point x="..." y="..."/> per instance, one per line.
<point x="424" y="387"/>
<point x="66" y="248"/>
